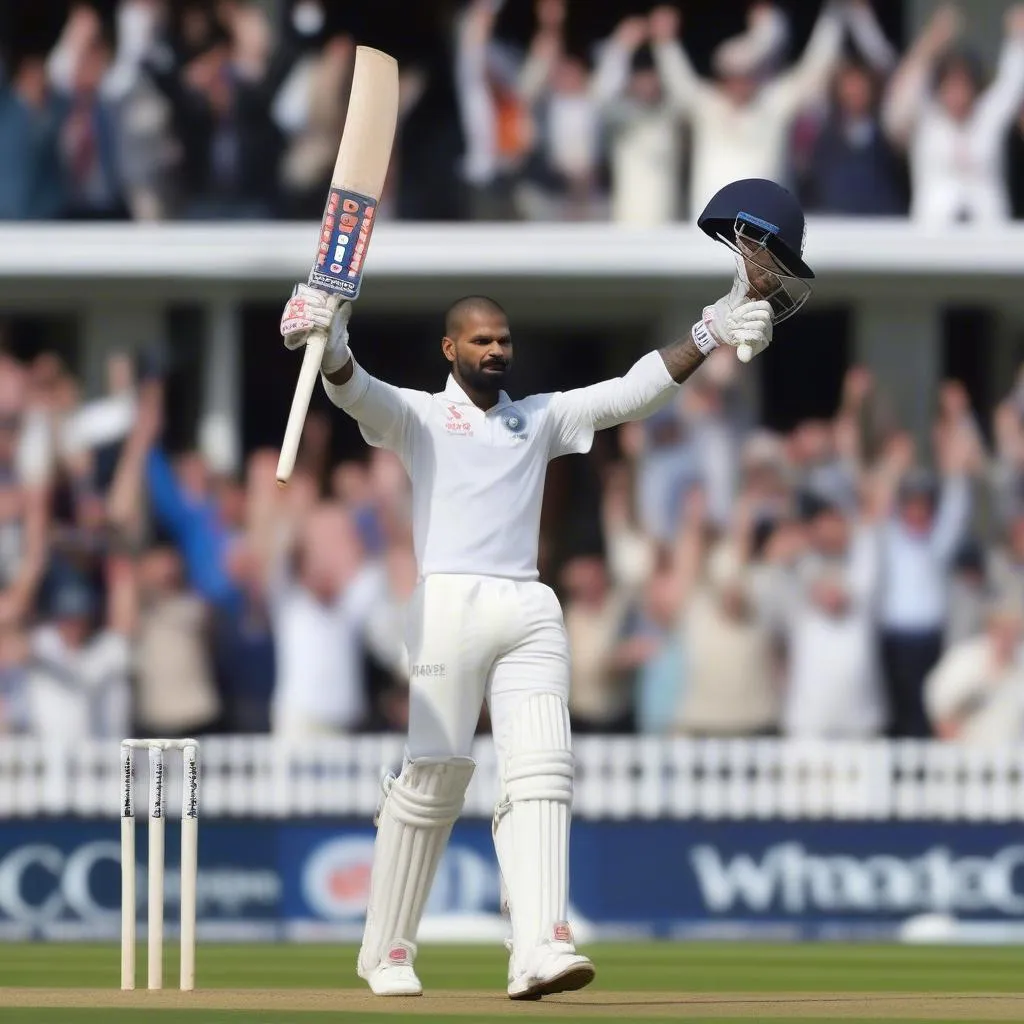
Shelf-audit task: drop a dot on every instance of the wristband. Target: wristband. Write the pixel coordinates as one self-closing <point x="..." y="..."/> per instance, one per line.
<point x="705" y="341"/>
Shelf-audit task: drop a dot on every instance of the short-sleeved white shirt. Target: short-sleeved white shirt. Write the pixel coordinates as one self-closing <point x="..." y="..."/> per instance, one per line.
<point x="478" y="477"/>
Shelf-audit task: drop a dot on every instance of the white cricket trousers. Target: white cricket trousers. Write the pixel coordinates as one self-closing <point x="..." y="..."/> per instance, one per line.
<point x="472" y="638"/>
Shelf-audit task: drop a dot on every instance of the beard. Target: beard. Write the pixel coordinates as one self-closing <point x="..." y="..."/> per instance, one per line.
<point x="490" y="374"/>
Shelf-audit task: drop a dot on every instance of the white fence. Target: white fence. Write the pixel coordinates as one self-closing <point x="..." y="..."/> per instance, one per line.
<point x="617" y="778"/>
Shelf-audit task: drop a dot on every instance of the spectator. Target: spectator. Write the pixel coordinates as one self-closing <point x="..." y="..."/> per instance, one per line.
<point x="645" y="146"/>
<point x="956" y="133"/>
<point x="310" y="109"/>
<point x="600" y="694"/>
<point x="78" y="676"/>
<point x="14" y="705"/>
<point x="715" y="418"/>
<point x="89" y="135"/>
<point x="386" y="632"/>
<point x="732" y="687"/>
<point x="562" y="181"/>
<point x="921" y="538"/>
<point x="834" y="688"/>
<point x="1005" y="567"/>
<point x="221" y="98"/>
<point x="632" y="551"/>
<point x="24" y="509"/>
<point x="200" y="513"/>
<point x="969" y="595"/>
<point x="175" y="690"/>
<point x="31" y="179"/>
<point x="320" y="593"/>
<point x="353" y="486"/>
<point x="853" y="169"/>
<point x="176" y="693"/>
<point x="148" y="152"/>
<point x="1007" y="468"/>
<point x="976" y="692"/>
<point x="659" y="651"/>
<point x="498" y="128"/>
<point x="741" y="123"/>
<point x="667" y="465"/>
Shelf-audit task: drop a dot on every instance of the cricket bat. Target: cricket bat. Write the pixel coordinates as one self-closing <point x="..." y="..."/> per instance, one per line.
<point x="349" y="214"/>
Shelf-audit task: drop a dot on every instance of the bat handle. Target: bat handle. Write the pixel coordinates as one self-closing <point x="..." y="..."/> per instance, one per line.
<point x="308" y="375"/>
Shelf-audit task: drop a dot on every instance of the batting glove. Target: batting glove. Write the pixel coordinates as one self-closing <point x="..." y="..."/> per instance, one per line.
<point x="735" y="320"/>
<point x="311" y="309"/>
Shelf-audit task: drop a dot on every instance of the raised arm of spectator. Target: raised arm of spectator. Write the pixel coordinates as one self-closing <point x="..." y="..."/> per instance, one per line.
<point x="689" y="549"/>
<point x="865" y="559"/>
<point x="612" y="71"/>
<point x="630" y="550"/>
<point x="476" y="104"/>
<point x="908" y="90"/>
<point x="122" y="595"/>
<point x="169" y="502"/>
<point x="1008" y="431"/>
<point x="954" y="512"/>
<point x="81" y="29"/>
<point x="125" y="501"/>
<point x="271" y="521"/>
<point x="1000" y="104"/>
<point x="683" y="86"/>
<point x="138" y="24"/>
<point x="867" y="35"/>
<point x="545" y="49"/>
<point x="858" y="385"/>
<point x="808" y="79"/>
<point x="883" y="482"/>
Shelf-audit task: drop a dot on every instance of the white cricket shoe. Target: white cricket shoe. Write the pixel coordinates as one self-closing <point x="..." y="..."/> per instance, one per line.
<point x="395" y="975"/>
<point x="554" y="966"/>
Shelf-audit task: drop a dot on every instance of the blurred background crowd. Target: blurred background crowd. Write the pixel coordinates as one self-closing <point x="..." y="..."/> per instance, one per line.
<point x="149" y="109"/>
<point x="725" y="580"/>
<point x="832" y="578"/>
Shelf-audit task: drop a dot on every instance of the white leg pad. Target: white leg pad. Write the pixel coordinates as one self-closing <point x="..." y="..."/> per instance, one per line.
<point x="414" y="823"/>
<point x="531" y="826"/>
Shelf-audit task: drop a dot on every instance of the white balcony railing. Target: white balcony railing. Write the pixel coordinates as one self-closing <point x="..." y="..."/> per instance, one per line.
<point x="617" y="778"/>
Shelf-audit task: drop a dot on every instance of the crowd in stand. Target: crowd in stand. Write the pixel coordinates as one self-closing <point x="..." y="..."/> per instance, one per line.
<point x="815" y="584"/>
<point x="210" y="109"/>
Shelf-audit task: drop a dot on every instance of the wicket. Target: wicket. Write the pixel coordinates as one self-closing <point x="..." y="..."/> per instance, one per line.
<point x="189" y="861"/>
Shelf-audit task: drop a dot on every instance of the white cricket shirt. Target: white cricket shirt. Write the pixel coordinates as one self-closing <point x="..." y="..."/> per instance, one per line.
<point x="478" y="477"/>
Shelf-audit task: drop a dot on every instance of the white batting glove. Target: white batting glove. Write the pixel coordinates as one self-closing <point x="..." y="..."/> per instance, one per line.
<point x="310" y="309"/>
<point x="735" y="320"/>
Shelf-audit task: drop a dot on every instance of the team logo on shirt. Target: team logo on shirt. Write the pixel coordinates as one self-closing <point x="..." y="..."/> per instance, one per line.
<point x="457" y="423"/>
<point x="515" y="423"/>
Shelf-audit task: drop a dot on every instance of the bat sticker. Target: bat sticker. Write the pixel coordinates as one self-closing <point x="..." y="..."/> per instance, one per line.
<point x="345" y="233"/>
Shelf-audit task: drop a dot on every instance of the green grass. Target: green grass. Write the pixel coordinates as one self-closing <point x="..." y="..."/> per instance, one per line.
<point x="655" y="968"/>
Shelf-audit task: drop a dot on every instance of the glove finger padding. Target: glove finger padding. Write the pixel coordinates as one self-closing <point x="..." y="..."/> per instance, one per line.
<point x="749" y="329"/>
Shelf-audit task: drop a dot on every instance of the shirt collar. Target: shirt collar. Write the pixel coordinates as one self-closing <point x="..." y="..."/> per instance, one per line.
<point x="454" y="393"/>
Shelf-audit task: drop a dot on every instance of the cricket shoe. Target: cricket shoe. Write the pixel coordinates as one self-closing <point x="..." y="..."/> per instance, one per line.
<point x="394" y="975"/>
<point x="554" y="966"/>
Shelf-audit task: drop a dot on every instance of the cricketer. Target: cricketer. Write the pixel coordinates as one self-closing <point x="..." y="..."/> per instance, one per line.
<point x="481" y="624"/>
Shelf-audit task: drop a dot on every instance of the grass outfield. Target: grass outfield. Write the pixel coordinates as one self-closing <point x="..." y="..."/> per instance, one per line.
<point x="46" y="984"/>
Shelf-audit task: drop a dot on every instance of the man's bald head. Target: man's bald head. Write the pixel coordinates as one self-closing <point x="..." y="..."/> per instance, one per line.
<point x="458" y="312"/>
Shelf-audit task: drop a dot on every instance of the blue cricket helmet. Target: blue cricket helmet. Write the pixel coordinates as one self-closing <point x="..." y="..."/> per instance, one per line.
<point x="764" y="225"/>
<point x="765" y="207"/>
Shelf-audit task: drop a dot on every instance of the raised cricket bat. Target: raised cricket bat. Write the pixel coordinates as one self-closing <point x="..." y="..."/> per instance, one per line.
<point x="356" y="185"/>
